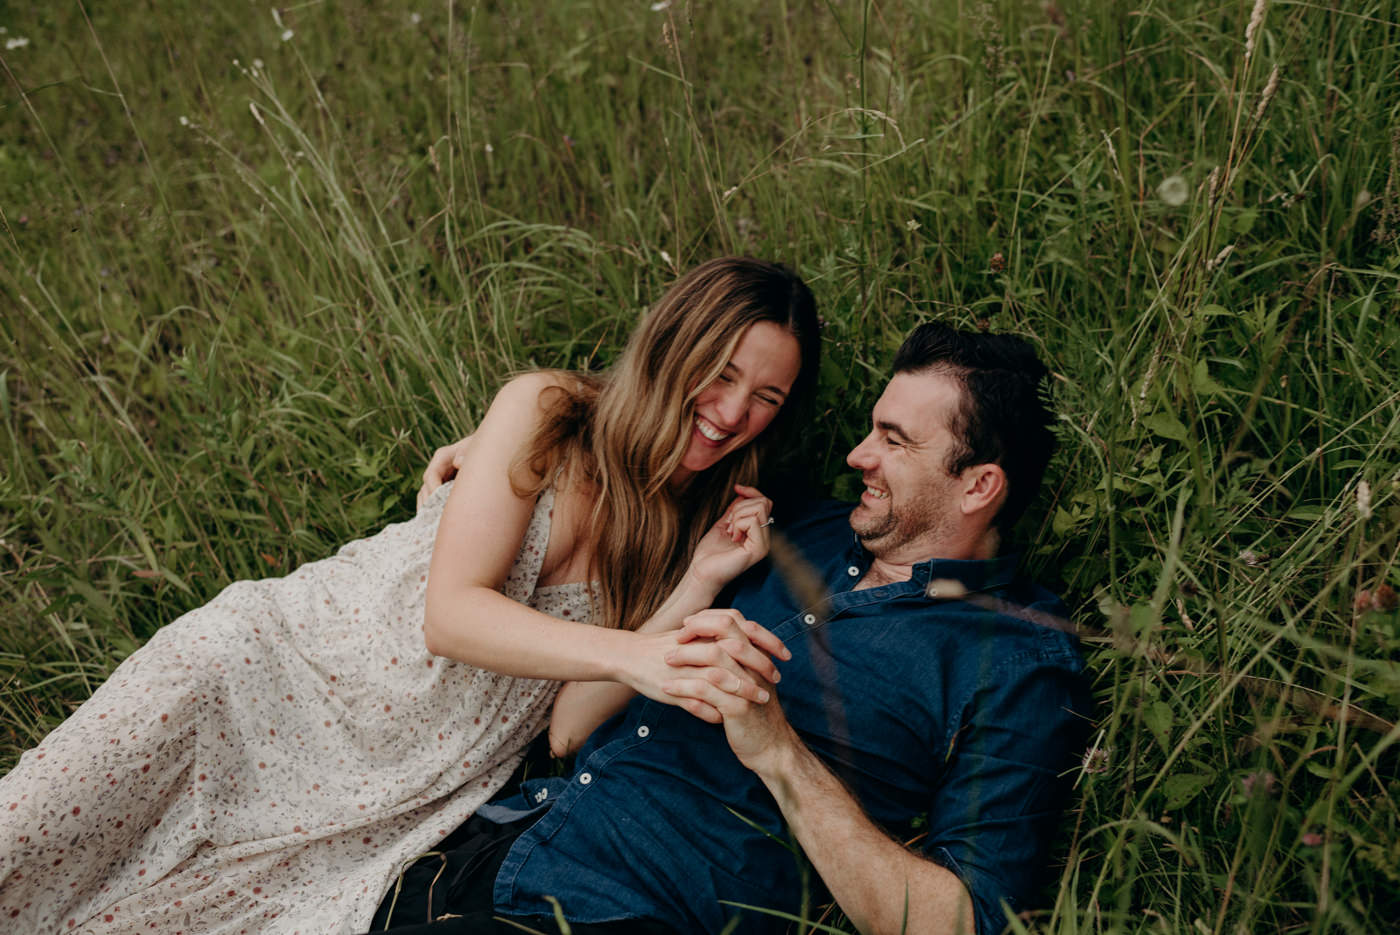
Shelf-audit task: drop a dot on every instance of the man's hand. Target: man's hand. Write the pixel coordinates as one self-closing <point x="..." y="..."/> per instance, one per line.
<point x="720" y="641"/>
<point x="442" y="467"/>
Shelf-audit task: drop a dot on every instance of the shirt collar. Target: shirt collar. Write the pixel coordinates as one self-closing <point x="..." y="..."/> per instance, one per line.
<point x="974" y="574"/>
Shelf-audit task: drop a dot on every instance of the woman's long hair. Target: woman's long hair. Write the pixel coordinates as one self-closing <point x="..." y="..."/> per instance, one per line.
<point x="625" y="433"/>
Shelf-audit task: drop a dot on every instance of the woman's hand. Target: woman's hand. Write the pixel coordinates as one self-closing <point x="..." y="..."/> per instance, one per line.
<point x="443" y="467"/>
<point x="736" y="541"/>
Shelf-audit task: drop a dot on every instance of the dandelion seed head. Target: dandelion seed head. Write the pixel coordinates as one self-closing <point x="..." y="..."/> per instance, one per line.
<point x="1174" y="191"/>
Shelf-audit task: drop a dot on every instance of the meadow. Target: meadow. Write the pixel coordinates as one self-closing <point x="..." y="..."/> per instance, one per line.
<point x="256" y="264"/>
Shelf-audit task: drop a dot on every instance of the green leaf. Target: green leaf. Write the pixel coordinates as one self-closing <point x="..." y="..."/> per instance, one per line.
<point x="1159" y="717"/>
<point x="1201" y="381"/>
<point x="1181" y="788"/>
<point x="1167" y="425"/>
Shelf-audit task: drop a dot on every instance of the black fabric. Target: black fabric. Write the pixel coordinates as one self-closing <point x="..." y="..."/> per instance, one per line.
<point x="448" y="892"/>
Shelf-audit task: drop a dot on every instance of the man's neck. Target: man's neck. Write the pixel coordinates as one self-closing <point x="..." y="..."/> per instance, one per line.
<point x="888" y="570"/>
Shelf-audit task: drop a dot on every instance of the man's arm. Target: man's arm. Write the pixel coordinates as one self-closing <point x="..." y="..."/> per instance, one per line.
<point x="880" y="886"/>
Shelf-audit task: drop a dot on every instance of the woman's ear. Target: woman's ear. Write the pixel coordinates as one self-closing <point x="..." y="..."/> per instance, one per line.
<point x="984" y="488"/>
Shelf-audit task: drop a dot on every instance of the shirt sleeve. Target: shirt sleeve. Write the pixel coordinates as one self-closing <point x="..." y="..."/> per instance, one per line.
<point x="997" y="807"/>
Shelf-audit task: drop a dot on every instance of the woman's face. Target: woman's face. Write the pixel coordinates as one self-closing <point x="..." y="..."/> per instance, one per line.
<point x="744" y="398"/>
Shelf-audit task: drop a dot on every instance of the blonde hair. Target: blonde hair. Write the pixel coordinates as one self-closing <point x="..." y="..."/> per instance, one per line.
<point x="626" y="432"/>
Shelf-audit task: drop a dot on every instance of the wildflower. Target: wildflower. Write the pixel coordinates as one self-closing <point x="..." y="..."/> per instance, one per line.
<point x="1173" y="190"/>
<point x="1362" y="602"/>
<point x="1263" y="782"/>
<point x="1096" y="760"/>
<point x="415" y="18"/>
<point x="666" y="258"/>
<point x="257" y="64"/>
<point x="997" y="263"/>
<point x="1312" y="839"/>
<point x="287" y="34"/>
<point x="660" y="5"/>
<point x="1363" y="500"/>
<point x="1251" y="558"/>
<point x="184" y="121"/>
<point x="912" y="225"/>
<point x="18" y="42"/>
<point x="1383" y="598"/>
<point x="489" y="149"/>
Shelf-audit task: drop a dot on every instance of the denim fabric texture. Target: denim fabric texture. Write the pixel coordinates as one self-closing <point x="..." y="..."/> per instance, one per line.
<point x="954" y="721"/>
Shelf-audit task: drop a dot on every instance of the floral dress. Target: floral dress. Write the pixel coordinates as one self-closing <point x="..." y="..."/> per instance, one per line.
<point x="268" y="762"/>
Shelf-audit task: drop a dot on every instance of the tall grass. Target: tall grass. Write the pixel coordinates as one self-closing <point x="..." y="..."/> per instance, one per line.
<point x="253" y="268"/>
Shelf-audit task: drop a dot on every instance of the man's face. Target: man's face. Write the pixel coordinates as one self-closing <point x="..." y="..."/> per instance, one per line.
<point x="910" y="503"/>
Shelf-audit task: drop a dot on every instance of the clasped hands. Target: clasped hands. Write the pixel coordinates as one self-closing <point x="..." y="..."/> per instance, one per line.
<point x="720" y="668"/>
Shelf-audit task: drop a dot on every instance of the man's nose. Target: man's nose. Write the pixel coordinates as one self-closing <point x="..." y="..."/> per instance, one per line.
<point x="860" y="456"/>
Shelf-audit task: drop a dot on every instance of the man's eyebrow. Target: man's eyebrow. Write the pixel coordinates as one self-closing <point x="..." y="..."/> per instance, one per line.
<point x="892" y="428"/>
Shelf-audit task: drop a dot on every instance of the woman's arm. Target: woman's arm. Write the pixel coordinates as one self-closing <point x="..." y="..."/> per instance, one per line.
<point x="483" y="524"/>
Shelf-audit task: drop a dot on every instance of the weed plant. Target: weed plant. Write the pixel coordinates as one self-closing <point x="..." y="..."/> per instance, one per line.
<point x="255" y="266"/>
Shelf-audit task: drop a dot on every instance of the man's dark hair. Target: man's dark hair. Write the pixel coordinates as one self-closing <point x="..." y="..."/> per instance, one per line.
<point x="1005" y="415"/>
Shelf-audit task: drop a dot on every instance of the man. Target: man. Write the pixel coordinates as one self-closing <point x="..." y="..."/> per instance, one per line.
<point x="916" y="745"/>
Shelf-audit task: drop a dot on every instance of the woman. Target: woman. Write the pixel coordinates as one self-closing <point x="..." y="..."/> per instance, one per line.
<point x="267" y="762"/>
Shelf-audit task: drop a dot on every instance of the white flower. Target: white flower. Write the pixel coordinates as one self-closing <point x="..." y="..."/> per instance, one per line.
<point x="257" y="64"/>
<point x="912" y="225"/>
<point x="184" y="121"/>
<point x="1174" y="190"/>
<point x="489" y="148"/>
<point x="287" y="34"/>
<point x="667" y="257"/>
<point x="415" y="18"/>
<point x="18" y="42"/>
<point x="660" y="5"/>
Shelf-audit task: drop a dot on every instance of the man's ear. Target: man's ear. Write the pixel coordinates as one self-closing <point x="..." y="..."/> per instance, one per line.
<point x="984" y="489"/>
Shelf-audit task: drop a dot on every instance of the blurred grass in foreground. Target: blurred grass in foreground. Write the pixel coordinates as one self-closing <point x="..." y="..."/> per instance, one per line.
<point x="254" y="268"/>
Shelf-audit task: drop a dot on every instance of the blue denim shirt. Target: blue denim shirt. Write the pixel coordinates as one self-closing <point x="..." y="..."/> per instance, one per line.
<point x="952" y="721"/>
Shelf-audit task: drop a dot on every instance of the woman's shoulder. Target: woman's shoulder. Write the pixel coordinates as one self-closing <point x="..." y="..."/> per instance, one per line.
<point x="536" y="387"/>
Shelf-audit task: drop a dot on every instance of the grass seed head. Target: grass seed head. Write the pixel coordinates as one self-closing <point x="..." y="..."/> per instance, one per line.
<point x="1251" y="32"/>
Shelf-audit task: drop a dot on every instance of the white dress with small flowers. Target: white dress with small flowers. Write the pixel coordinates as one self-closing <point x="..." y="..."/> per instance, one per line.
<point x="268" y="762"/>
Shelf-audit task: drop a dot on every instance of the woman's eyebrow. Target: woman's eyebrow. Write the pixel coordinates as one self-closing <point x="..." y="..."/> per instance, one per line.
<point x="772" y="387"/>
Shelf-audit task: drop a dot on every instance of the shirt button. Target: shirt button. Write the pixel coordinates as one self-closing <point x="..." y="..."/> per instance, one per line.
<point x="809" y="619"/>
<point x="853" y="571"/>
<point x="643" y="731"/>
<point x="585" y="778"/>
